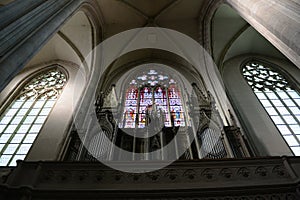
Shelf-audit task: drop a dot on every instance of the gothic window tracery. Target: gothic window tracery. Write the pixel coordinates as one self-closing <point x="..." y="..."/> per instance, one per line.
<point x="153" y="92"/>
<point x="280" y="99"/>
<point x="157" y="120"/>
<point x="21" y="122"/>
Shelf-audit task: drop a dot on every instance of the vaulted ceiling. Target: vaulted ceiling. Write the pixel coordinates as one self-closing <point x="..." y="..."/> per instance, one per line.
<point x="233" y="36"/>
<point x="230" y="34"/>
<point x="180" y="15"/>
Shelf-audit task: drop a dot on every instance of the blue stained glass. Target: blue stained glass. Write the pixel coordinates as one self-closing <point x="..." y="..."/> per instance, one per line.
<point x="160" y="102"/>
<point x="159" y="93"/>
<point x="176" y="109"/>
<point x="142" y="120"/>
<point x="145" y="102"/>
<point x="157" y="96"/>
<point x="146" y="93"/>
<point x="173" y="95"/>
<point x="152" y="72"/>
<point x="132" y="94"/>
<point x="130" y="110"/>
<point x="131" y="103"/>
<point x="174" y="102"/>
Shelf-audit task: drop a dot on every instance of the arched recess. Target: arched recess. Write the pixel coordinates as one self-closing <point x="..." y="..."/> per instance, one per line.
<point x="232" y="36"/>
<point x="219" y="24"/>
<point x="51" y="136"/>
<point x="136" y="63"/>
<point x="111" y="110"/>
<point x="68" y="48"/>
<point x="110" y="101"/>
<point x="256" y="122"/>
<point x="132" y="59"/>
<point x="232" y="40"/>
<point x="74" y="42"/>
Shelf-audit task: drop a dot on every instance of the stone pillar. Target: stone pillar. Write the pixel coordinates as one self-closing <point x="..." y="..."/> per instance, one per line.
<point x="25" y="27"/>
<point x="277" y="20"/>
<point x="17" y="9"/>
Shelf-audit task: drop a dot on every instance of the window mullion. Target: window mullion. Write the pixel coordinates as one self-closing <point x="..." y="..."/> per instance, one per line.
<point x="137" y="117"/>
<point x="288" y="108"/>
<point x="12" y="135"/>
<point x="278" y="113"/>
<point x="169" y="106"/>
<point x="260" y="77"/>
<point x="297" y="105"/>
<point x="9" y="123"/>
<point x="49" y="84"/>
<point x="286" y="123"/>
<point x="30" y="126"/>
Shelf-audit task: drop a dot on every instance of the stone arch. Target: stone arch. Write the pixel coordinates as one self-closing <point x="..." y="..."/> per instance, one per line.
<point x="256" y="123"/>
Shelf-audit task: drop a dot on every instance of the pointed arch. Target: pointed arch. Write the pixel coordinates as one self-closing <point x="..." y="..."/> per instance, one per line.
<point x="279" y="96"/>
<point x="262" y="133"/>
<point x="153" y="92"/>
<point x="23" y="118"/>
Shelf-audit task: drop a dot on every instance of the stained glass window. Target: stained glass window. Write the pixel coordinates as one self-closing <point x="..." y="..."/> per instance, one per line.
<point x="23" y="119"/>
<point x="153" y="92"/>
<point x="175" y="106"/>
<point x="279" y="98"/>
<point x="145" y="106"/>
<point x="131" y="106"/>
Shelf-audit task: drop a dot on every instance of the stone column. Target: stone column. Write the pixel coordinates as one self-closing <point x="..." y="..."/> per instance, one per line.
<point x="25" y="27"/>
<point x="17" y="9"/>
<point x="277" y="20"/>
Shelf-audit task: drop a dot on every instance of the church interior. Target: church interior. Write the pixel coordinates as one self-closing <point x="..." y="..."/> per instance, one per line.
<point x="150" y="99"/>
